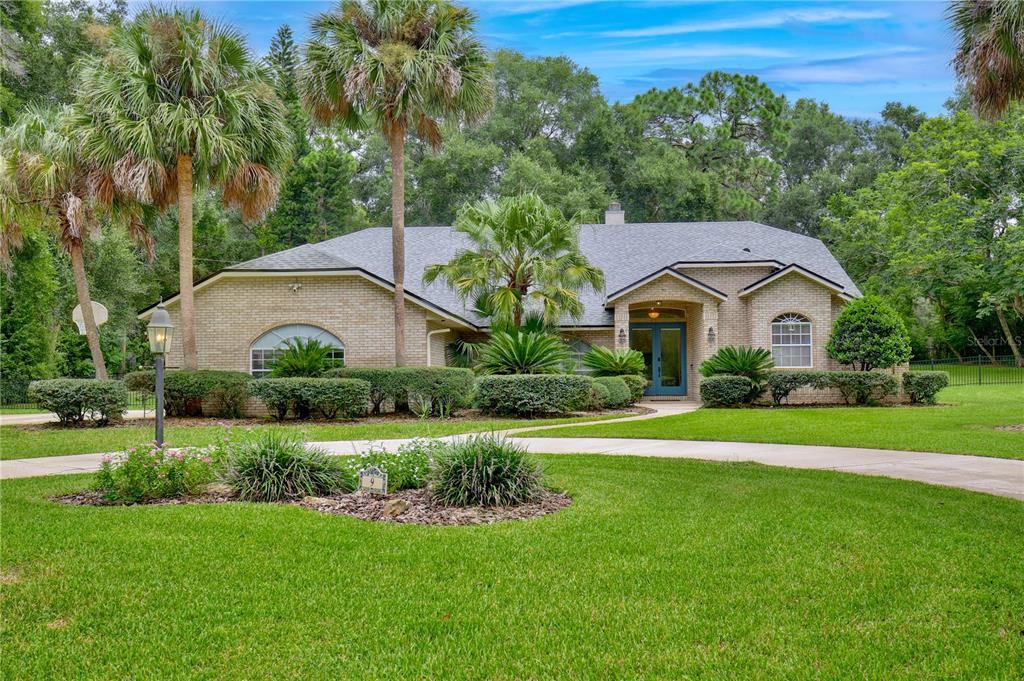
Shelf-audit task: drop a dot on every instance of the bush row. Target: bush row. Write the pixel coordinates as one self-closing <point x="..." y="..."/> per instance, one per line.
<point x="856" y="387"/>
<point x="441" y="389"/>
<point x="303" y="397"/>
<point x="197" y="393"/>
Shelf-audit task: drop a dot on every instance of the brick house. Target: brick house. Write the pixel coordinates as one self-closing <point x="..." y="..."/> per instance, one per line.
<point x="674" y="291"/>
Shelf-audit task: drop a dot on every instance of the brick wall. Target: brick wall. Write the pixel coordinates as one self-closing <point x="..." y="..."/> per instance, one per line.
<point x="233" y="312"/>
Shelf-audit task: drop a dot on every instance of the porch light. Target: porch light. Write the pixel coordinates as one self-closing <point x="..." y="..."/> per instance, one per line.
<point x="160" y="331"/>
<point x="711" y="335"/>
<point x="653" y="313"/>
<point x="622" y="337"/>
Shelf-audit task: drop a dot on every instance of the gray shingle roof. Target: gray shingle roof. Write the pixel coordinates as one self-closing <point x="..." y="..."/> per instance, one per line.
<point x="626" y="254"/>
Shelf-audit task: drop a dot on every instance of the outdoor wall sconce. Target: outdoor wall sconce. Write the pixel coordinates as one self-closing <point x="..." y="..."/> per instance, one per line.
<point x="711" y="335"/>
<point x="622" y="337"/>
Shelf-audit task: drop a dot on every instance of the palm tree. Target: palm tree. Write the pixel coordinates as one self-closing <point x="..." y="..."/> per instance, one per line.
<point x="402" y="67"/>
<point x="44" y="180"/>
<point x="176" y="104"/>
<point x="990" y="51"/>
<point x="525" y="254"/>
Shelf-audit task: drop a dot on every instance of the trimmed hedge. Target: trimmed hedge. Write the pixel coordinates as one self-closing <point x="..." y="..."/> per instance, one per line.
<point x="599" y="396"/>
<point x="331" y="397"/>
<point x="74" y="399"/>
<point x="862" y="387"/>
<point x="204" y="392"/>
<point x="447" y="388"/>
<point x="725" y="391"/>
<point x="637" y="385"/>
<point x="531" y="394"/>
<point x="384" y="384"/>
<point x="782" y="383"/>
<point x="618" y="391"/>
<point x="923" y="386"/>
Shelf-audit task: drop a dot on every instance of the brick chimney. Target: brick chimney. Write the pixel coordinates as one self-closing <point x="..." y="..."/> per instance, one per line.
<point x="615" y="215"/>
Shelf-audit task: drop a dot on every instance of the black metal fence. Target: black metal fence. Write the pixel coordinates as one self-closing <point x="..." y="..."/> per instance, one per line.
<point x="14" y="397"/>
<point x="1001" y="370"/>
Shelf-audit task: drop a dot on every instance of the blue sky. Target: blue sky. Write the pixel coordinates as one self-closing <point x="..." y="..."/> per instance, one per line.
<point x="854" y="55"/>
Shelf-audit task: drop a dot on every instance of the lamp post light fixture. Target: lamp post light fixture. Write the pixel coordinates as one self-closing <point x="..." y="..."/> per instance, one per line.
<point x="160" y="331"/>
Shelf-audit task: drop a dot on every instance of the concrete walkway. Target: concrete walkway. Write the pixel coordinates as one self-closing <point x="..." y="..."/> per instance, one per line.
<point x="46" y="417"/>
<point x="1001" y="477"/>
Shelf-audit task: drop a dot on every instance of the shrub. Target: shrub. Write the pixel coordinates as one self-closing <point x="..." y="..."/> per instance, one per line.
<point x="869" y="334"/>
<point x="406" y="468"/>
<point x="224" y="392"/>
<point x="74" y="399"/>
<point x="150" y="472"/>
<point x="142" y="381"/>
<point x="484" y="470"/>
<point x="725" y="391"/>
<point x="741" y="360"/>
<point x="782" y="383"/>
<point x="302" y="358"/>
<point x="384" y="383"/>
<point x="608" y="362"/>
<point x="862" y="387"/>
<point x="521" y="352"/>
<point x="331" y="397"/>
<point x="527" y="395"/>
<point x="599" y="395"/>
<point x="275" y="465"/>
<point x="443" y="389"/>
<point x="637" y="385"/>
<point x="923" y="386"/>
<point x="618" y="391"/>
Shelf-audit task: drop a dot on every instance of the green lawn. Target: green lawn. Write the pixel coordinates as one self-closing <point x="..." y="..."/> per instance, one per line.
<point x="21" y="410"/>
<point x="21" y="443"/>
<point x="660" y="569"/>
<point x="964" y="425"/>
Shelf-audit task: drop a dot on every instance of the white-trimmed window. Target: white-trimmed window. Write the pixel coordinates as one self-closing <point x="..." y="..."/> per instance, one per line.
<point x="791" y="341"/>
<point x="577" y="348"/>
<point x="270" y="345"/>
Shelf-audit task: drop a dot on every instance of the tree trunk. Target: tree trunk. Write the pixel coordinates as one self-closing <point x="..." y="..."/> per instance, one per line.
<point x="981" y="346"/>
<point x="397" y="140"/>
<point x="190" y="356"/>
<point x="1008" y="332"/>
<point x="92" y="332"/>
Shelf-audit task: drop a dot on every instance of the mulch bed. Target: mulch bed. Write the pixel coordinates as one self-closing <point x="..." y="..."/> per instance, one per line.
<point x="1015" y="428"/>
<point x="421" y="509"/>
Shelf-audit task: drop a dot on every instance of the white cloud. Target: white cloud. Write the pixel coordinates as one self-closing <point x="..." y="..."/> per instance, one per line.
<point x="767" y="20"/>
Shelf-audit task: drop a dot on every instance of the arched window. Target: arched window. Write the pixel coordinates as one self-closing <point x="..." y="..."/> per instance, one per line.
<point x="270" y="345"/>
<point x="791" y="341"/>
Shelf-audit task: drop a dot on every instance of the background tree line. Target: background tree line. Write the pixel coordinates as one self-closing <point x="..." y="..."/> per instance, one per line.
<point x="922" y="211"/>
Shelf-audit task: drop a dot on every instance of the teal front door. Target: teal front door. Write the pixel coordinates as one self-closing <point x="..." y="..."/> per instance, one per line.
<point x="663" y="346"/>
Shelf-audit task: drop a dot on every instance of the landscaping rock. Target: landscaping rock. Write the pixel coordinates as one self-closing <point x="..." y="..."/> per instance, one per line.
<point x="315" y="501"/>
<point x="394" y="507"/>
<point x="218" y="489"/>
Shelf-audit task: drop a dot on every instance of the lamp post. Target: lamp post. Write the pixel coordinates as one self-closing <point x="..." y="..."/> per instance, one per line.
<point x="160" y="331"/>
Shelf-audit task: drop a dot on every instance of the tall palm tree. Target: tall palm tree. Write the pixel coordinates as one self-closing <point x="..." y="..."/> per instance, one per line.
<point x="176" y="104"/>
<point x="403" y="67"/>
<point x="45" y="180"/>
<point x="525" y="254"/>
<point x="990" y="51"/>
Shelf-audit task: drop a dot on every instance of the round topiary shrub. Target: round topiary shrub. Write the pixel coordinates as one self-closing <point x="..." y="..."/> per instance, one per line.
<point x="484" y="470"/>
<point x="725" y="391"/>
<point x="599" y="396"/>
<point x="637" y="385"/>
<point x="275" y="465"/>
<point x="923" y="386"/>
<point x="618" y="392"/>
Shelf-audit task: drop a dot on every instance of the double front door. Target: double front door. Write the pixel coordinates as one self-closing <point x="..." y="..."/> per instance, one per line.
<point x="663" y="346"/>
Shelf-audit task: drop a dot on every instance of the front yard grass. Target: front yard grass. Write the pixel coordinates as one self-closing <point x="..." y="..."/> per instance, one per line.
<point x="965" y="424"/>
<point x="23" y="442"/>
<point x="659" y="569"/>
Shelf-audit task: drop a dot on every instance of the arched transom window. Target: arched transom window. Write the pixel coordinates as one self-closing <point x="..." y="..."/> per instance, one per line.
<point x="270" y="345"/>
<point x="791" y="341"/>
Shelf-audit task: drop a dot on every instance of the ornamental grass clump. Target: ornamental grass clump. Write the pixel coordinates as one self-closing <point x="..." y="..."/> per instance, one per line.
<point x="484" y="470"/>
<point x="275" y="465"/>
<point x="149" y="472"/>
